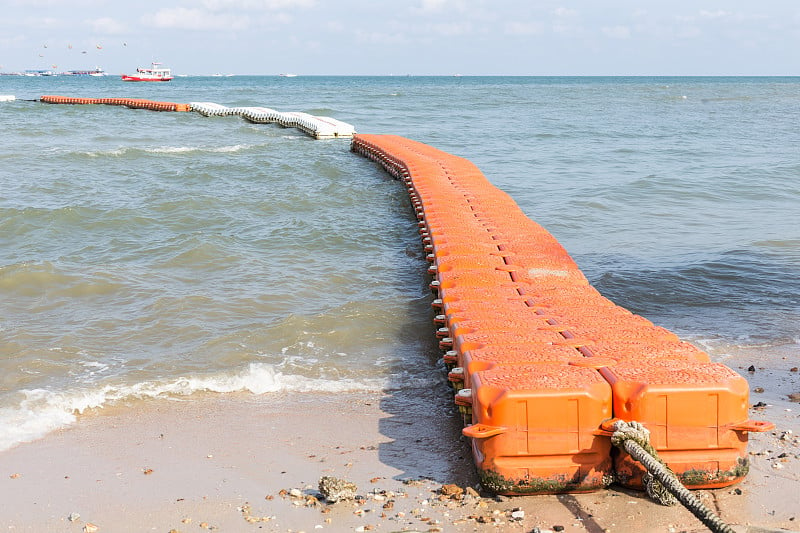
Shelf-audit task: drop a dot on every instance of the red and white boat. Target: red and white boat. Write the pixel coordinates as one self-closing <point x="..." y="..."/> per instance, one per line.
<point x="155" y="73"/>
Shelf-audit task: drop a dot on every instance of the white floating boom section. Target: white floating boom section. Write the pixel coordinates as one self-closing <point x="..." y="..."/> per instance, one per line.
<point x="7" y="98"/>
<point x="317" y="127"/>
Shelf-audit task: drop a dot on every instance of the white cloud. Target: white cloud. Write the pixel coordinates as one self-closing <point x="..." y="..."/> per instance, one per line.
<point x="713" y="14"/>
<point x="430" y="6"/>
<point x="565" y="12"/>
<point x="107" y="26"/>
<point x="433" y="5"/>
<point x="380" y="38"/>
<point x="54" y="3"/>
<point x="688" y="32"/>
<point x="617" y="32"/>
<point x="257" y="5"/>
<point x="452" y="29"/>
<point x="335" y="26"/>
<point x="196" y="19"/>
<point x="523" y="28"/>
<point x="567" y="29"/>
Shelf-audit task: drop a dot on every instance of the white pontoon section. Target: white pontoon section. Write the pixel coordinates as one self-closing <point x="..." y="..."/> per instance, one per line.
<point x="317" y="127"/>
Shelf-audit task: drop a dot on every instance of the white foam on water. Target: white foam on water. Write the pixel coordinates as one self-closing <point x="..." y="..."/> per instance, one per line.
<point x="201" y="149"/>
<point x="42" y="411"/>
<point x="168" y="150"/>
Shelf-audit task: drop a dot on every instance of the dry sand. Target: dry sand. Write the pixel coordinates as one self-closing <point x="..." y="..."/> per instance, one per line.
<point x="230" y="463"/>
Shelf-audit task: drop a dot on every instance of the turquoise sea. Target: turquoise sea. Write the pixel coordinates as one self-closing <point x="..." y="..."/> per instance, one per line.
<point x="147" y="254"/>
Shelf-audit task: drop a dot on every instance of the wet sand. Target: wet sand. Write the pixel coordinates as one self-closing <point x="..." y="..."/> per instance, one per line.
<point x="242" y="462"/>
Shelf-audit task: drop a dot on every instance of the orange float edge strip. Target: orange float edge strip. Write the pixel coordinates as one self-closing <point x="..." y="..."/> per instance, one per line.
<point x="133" y="103"/>
<point x="540" y="361"/>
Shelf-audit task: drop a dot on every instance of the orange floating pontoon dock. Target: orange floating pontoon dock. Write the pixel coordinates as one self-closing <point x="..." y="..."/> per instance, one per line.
<point x="541" y="362"/>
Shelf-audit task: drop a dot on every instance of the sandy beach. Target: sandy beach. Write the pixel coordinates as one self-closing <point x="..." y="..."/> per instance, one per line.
<point x="253" y="463"/>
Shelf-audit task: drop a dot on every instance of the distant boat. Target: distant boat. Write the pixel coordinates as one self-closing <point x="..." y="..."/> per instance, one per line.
<point x="30" y="72"/>
<point x="154" y="73"/>
<point x="97" y="72"/>
<point x="287" y="75"/>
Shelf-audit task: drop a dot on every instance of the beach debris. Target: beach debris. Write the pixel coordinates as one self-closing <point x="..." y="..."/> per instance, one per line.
<point x="246" y="511"/>
<point x="517" y="514"/>
<point x="14" y="475"/>
<point x="794" y="397"/>
<point x="73" y="517"/>
<point x="147" y="471"/>
<point x="452" y="491"/>
<point x="335" y="489"/>
<point x="90" y="528"/>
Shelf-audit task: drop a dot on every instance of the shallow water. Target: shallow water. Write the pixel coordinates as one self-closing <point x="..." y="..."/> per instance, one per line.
<point x="149" y="254"/>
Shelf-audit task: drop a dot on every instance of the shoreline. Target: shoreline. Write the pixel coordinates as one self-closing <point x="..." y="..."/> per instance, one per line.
<point x="240" y="462"/>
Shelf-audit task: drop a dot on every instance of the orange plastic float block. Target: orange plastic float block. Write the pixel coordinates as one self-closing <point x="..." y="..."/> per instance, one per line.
<point x="464" y="296"/>
<point x="464" y="241"/>
<point x="546" y="272"/>
<point x="534" y="246"/>
<point x="535" y="427"/>
<point x="487" y="339"/>
<point x="455" y="228"/>
<point x="477" y="292"/>
<point x="631" y="350"/>
<point x="469" y="278"/>
<point x="613" y="332"/>
<point x="522" y="241"/>
<point x="508" y="311"/>
<point x="478" y="316"/>
<point x="449" y="214"/>
<point x="568" y="295"/>
<point x="456" y="309"/>
<point x="696" y="414"/>
<point x="516" y="354"/>
<point x="553" y="298"/>
<point x="567" y="314"/>
<point x="463" y="248"/>
<point x="524" y="254"/>
<point x="492" y="324"/>
<point x="611" y="321"/>
<point x="478" y="261"/>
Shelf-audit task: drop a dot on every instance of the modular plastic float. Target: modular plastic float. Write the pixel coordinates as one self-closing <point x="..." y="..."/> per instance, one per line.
<point x="317" y="127"/>
<point x="540" y="361"/>
<point x="133" y="103"/>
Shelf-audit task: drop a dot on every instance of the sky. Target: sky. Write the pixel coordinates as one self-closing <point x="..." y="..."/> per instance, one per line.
<point x="401" y="37"/>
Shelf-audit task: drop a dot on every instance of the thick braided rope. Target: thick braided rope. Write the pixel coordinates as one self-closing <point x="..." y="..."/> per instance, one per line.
<point x="635" y="432"/>
<point x="630" y="436"/>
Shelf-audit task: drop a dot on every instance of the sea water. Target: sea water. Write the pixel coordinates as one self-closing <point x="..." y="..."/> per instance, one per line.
<point x="147" y="254"/>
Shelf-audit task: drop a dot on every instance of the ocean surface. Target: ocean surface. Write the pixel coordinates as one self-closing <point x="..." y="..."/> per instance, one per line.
<point x="147" y="254"/>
